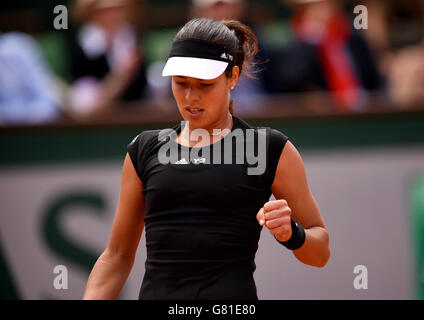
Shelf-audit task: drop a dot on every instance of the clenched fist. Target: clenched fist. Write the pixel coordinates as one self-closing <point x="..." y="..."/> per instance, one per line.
<point x="276" y="216"/>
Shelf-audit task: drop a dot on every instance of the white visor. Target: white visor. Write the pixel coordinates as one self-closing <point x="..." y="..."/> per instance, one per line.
<point x="200" y="68"/>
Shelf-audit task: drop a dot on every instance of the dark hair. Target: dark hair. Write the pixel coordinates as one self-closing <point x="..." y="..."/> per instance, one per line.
<point x="232" y="34"/>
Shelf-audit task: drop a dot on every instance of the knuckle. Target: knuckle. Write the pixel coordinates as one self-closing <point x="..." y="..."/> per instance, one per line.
<point x="268" y="215"/>
<point x="286" y="220"/>
<point x="283" y="202"/>
<point x="287" y="212"/>
<point x="268" y="205"/>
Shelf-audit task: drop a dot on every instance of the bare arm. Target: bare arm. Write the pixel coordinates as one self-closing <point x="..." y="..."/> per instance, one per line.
<point x="114" y="265"/>
<point x="290" y="183"/>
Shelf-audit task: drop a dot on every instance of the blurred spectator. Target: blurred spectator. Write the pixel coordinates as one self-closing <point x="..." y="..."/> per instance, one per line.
<point x="219" y="9"/>
<point x="27" y="90"/>
<point x="106" y="60"/>
<point x="396" y="32"/>
<point x="248" y="92"/>
<point x="406" y="77"/>
<point x="326" y="53"/>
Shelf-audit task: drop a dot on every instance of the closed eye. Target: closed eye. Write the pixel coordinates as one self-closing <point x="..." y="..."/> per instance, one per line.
<point x="207" y="84"/>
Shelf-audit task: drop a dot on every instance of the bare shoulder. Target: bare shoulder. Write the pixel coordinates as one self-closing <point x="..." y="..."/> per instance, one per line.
<point x="290" y="176"/>
<point x="290" y="160"/>
<point x="129" y="173"/>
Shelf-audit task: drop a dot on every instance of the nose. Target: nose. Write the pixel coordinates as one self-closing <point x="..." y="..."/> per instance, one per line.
<point x="192" y="95"/>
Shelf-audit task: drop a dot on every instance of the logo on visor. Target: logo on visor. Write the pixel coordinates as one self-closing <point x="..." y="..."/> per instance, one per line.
<point x="227" y="56"/>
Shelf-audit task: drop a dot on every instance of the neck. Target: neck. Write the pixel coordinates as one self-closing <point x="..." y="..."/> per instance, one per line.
<point x="206" y="135"/>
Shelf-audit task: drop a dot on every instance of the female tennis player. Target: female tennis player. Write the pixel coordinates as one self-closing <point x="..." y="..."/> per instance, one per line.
<point x="204" y="210"/>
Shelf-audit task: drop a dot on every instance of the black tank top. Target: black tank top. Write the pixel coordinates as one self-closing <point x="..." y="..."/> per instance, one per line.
<point x="201" y="228"/>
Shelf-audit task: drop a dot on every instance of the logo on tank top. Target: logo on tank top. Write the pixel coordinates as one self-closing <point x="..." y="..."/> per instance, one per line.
<point x="238" y="146"/>
<point x="182" y="161"/>
<point x="199" y="160"/>
<point x="195" y="161"/>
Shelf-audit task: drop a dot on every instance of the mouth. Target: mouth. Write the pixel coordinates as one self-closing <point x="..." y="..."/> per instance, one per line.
<point x="194" y="110"/>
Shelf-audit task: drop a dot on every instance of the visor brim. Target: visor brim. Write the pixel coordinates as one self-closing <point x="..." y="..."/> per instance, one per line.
<point x="199" y="68"/>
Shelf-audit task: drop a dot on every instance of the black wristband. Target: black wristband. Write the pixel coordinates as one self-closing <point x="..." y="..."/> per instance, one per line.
<point x="297" y="239"/>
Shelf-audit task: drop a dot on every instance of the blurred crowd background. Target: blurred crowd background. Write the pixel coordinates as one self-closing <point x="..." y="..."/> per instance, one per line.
<point x="107" y="55"/>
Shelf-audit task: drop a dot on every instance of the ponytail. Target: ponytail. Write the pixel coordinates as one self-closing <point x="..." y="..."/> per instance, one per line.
<point x="247" y="48"/>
